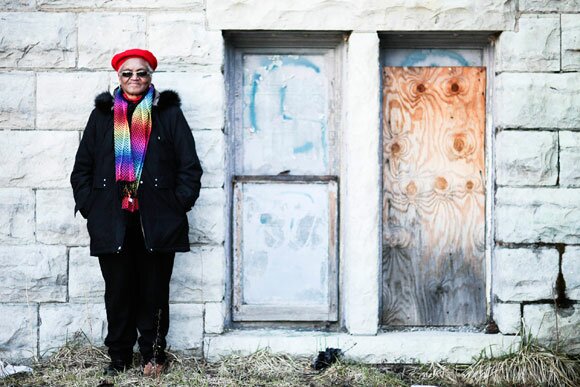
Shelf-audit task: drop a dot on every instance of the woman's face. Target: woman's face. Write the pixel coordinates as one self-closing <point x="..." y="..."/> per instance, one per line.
<point x="134" y="85"/>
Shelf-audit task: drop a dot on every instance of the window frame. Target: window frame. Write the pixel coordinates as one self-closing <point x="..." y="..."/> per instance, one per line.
<point x="331" y="44"/>
<point x="476" y="40"/>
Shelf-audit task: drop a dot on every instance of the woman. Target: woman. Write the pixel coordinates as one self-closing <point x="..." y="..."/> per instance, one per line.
<point x="136" y="175"/>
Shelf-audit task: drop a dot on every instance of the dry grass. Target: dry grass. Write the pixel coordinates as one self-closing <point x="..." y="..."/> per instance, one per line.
<point x="352" y="374"/>
<point x="438" y="374"/>
<point x="532" y="365"/>
<point x="81" y="364"/>
<point x="262" y="368"/>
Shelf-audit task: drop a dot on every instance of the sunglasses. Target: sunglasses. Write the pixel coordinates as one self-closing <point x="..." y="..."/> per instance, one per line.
<point x="139" y="74"/>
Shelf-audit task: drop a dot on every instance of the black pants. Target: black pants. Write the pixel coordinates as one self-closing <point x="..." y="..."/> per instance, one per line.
<point x="136" y="298"/>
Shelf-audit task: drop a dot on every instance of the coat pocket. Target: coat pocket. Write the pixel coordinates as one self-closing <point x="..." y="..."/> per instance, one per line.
<point x="165" y="190"/>
<point x="100" y="207"/>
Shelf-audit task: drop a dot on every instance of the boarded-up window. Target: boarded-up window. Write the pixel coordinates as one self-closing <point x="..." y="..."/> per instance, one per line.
<point x="285" y="251"/>
<point x="433" y="194"/>
<point x="285" y="185"/>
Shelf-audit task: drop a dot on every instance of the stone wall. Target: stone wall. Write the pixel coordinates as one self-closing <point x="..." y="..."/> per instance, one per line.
<point x="537" y="212"/>
<point x="54" y="58"/>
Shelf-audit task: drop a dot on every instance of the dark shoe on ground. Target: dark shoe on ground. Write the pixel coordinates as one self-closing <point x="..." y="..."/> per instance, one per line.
<point x="115" y="367"/>
<point x="154" y="369"/>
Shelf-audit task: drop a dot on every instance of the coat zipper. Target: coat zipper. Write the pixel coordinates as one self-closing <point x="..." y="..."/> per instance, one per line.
<point x="143" y="231"/>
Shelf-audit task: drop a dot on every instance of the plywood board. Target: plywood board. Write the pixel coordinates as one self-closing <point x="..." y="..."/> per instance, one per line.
<point x="285" y="251"/>
<point x="433" y="196"/>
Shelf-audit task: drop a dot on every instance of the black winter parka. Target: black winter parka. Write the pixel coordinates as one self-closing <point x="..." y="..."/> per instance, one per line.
<point x="169" y="186"/>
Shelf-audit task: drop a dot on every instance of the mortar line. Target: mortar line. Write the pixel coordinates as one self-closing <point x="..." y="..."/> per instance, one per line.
<point x="38" y="322"/>
<point x="77" y="40"/>
<point x="67" y="274"/>
<point x="35" y="108"/>
<point x="558" y="158"/>
<point x="561" y="69"/>
<point x="147" y="16"/>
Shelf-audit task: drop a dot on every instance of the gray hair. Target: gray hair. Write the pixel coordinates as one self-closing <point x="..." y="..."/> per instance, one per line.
<point x="147" y="66"/>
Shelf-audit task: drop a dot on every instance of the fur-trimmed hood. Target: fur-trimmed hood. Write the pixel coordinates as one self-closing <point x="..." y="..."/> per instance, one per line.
<point x="162" y="100"/>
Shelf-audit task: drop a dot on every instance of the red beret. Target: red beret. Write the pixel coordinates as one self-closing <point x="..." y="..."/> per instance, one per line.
<point x="121" y="57"/>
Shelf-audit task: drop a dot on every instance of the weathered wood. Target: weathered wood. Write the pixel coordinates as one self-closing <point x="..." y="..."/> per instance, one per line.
<point x="433" y="196"/>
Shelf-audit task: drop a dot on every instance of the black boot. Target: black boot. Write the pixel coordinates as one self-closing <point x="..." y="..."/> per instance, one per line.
<point x="115" y="367"/>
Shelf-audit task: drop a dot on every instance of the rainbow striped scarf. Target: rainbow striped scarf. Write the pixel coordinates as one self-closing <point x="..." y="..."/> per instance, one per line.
<point x="131" y="145"/>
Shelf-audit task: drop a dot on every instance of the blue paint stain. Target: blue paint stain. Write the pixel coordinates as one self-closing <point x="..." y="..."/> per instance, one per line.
<point x="419" y="56"/>
<point x="300" y="62"/>
<point x="253" y="121"/>
<point x="269" y="65"/>
<point x="306" y="147"/>
<point x="265" y="218"/>
<point x="282" y="102"/>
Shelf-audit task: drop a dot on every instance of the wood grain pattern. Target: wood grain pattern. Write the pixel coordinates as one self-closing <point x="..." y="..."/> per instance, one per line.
<point x="433" y="196"/>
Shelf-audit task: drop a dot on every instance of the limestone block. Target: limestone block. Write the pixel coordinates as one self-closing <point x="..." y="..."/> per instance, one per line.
<point x="535" y="46"/>
<point x="537" y="100"/>
<point x="115" y="31"/>
<point x="385" y="347"/>
<point x="60" y="322"/>
<point x="526" y="158"/>
<point x="215" y="315"/>
<point x="207" y="219"/>
<point x="536" y="282"/>
<point x="569" y="159"/>
<point x="507" y="317"/>
<point x="37" y="159"/>
<point x="17" y="5"/>
<point x="17" y="105"/>
<point x="554" y="327"/>
<point x="16" y="216"/>
<point x="37" y="39"/>
<point x="33" y="273"/>
<point x="186" y="280"/>
<point x="368" y="15"/>
<point x="532" y="215"/>
<point x="55" y="220"/>
<point x="202" y="96"/>
<point x="210" y="146"/>
<point x="180" y="38"/>
<point x="65" y="100"/>
<point x="549" y="5"/>
<point x="571" y="41"/>
<point x="213" y="273"/>
<point x="119" y="4"/>
<point x="571" y="271"/>
<point x="85" y="281"/>
<point x="198" y="275"/>
<point x="360" y="191"/>
<point x="18" y="335"/>
<point x="186" y="327"/>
